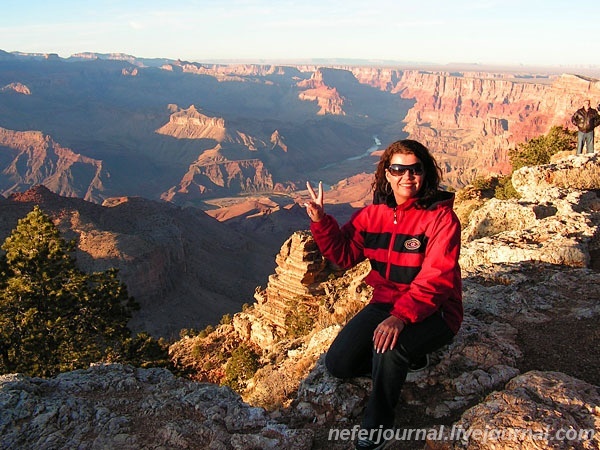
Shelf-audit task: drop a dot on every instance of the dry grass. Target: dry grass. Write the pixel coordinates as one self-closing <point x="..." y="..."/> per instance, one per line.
<point x="275" y="388"/>
<point x="584" y="178"/>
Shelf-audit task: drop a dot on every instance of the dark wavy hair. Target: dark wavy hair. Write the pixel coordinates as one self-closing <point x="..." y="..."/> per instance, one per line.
<point x="432" y="176"/>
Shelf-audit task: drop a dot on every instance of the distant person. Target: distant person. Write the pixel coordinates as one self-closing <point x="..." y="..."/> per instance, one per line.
<point x="585" y="119"/>
<point x="411" y="236"/>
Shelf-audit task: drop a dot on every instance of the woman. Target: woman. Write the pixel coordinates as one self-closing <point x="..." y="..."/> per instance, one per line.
<point x="411" y="236"/>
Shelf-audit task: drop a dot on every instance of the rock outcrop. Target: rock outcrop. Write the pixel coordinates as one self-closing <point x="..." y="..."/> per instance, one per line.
<point x="327" y="97"/>
<point x="19" y="88"/>
<point x="115" y="406"/>
<point x="297" y="279"/>
<point x="535" y="410"/>
<point x="302" y="122"/>
<point x="553" y="221"/>
<point x="34" y="158"/>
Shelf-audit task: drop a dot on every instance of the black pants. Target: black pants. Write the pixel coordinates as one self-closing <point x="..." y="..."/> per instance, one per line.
<point x="352" y="354"/>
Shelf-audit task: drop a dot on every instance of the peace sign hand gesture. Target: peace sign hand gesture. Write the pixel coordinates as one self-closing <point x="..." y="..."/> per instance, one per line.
<point x="314" y="208"/>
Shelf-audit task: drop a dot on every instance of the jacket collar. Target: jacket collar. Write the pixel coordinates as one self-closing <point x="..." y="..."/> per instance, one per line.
<point x="441" y="197"/>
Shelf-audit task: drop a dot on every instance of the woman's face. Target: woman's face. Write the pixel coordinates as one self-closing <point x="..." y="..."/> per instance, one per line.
<point x="408" y="184"/>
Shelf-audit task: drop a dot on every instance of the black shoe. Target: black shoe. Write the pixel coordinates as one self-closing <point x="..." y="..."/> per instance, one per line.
<point x="366" y="444"/>
<point x="418" y="364"/>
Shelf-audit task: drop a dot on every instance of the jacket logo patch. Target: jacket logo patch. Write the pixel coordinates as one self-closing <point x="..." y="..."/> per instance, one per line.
<point x="412" y="244"/>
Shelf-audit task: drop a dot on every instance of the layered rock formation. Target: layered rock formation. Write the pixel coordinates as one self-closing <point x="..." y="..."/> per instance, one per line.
<point x="221" y="170"/>
<point x="472" y="119"/>
<point x="226" y="72"/>
<point x="297" y="279"/>
<point x="30" y="158"/>
<point x="302" y="122"/>
<point x="192" y="124"/>
<point x="327" y="97"/>
<point x="19" y="88"/>
<point x="208" y="179"/>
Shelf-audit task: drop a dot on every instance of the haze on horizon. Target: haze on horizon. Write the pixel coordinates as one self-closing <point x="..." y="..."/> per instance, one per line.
<point x="508" y="32"/>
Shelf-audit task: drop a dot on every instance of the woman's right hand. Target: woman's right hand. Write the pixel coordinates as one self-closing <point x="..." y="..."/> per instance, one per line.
<point x="314" y="208"/>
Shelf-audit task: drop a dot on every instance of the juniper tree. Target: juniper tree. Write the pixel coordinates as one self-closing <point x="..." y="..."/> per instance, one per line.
<point x="53" y="316"/>
<point x="540" y="149"/>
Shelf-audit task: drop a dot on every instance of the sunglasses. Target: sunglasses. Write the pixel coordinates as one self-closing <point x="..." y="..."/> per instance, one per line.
<point x="399" y="170"/>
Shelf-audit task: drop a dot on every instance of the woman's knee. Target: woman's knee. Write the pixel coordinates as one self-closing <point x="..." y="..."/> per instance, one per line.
<point x="335" y="366"/>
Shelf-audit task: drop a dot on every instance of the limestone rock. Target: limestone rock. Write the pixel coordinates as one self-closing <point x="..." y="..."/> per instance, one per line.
<point x="299" y="272"/>
<point x="110" y="406"/>
<point x="579" y="172"/>
<point x="552" y="222"/>
<point x="536" y="410"/>
<point x="326" y="399"/>
<point x="19" y="88"/>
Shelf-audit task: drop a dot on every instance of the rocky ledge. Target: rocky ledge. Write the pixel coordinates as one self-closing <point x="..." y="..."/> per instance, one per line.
<point x="116" y="406"/>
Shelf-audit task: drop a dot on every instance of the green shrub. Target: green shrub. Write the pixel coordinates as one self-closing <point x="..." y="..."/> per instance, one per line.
<point x="505" y="189"/>
<point x="226" y="319"/>
<point x="539" y="150"/>
<point x="242" y="365"/>
<point x="208" y="330"/>
<point x="188" y="332"/>
<point x="299" y="320"/>
<point x="484" y="183"/>
<point x="145" y="351"/>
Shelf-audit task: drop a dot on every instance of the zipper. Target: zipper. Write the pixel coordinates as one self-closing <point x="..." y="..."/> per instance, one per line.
<point x="391" y="245"/>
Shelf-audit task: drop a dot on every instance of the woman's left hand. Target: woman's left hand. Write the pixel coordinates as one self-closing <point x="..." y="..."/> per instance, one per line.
<point x="386" y="334"/>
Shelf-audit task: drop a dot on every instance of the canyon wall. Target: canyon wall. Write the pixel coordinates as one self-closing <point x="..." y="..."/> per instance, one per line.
<point x="472" y="120"/>
<point x="29" y="158"/>
<point x="121" y="120"/>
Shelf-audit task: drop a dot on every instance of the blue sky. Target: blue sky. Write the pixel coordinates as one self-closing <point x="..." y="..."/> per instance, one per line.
<point x="516" y="32"/>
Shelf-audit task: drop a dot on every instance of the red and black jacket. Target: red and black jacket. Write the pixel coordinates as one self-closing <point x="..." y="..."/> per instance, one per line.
<point x="413" y="251"/>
